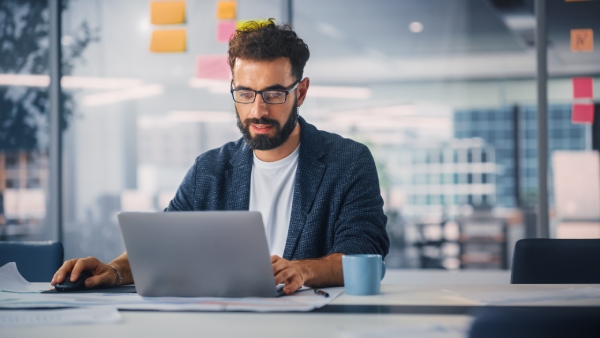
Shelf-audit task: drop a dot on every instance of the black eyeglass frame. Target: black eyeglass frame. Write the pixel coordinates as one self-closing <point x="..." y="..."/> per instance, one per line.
<point x="262" y="93"/>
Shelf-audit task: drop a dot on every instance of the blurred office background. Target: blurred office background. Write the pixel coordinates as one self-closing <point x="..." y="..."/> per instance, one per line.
<point x="442" y="92"/>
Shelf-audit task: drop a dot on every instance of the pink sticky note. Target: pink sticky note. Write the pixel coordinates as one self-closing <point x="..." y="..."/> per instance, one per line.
<point x="583" y="87"/>
<point x="225" y="29"/>
<point x="213" y="67"/>
<point x="583" y="113"/>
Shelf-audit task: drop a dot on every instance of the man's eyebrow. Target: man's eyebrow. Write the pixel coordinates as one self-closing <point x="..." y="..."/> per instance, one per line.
<point x="272" y="87"/>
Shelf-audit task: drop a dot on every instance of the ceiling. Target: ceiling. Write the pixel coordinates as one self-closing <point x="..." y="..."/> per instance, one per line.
<point x="366" y="41"/>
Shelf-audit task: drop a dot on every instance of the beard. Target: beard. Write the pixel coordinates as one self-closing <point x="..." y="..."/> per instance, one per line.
<point x="264" y="142"/>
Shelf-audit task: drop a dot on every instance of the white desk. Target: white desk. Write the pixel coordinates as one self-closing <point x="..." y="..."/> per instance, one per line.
<point x="203" y="324"/>
<point x="437" y="277"/>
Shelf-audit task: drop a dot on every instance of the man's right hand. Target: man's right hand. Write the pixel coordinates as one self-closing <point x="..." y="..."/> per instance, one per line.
<point x="102" y="274"/>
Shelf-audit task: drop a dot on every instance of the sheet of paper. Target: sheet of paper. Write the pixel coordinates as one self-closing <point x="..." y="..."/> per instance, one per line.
<point x="226" y="10"/>
<point x="583" y="113"/>
<point x="213" y="67"/>
<point x="300" y="301"/>
<point x="583" y="87"/>
<point x="17" y="293"/>
<point x="31" y="318"/>
<point x="225" y="30"/>
<point x="12" y="281"/>
<point x="168" y="41"/>
<point x="167" y="12"/>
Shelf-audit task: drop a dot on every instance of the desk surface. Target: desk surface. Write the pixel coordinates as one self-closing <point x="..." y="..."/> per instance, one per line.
<point x="319" y="324"/>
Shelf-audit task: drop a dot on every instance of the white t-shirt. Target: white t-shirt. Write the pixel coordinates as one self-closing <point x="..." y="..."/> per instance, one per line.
<point x="272" y="193"/>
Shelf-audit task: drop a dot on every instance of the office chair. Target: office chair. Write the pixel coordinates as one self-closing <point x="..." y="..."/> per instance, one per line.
<point x="536" y="323"/>
<point x="556" y="261"/>
<point x="36" y="261"/>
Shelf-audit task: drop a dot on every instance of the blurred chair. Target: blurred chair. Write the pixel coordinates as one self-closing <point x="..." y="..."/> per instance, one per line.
<point x="36" y="261"/>
<point x="536" y="323"/>
<point x="556" y="261"/>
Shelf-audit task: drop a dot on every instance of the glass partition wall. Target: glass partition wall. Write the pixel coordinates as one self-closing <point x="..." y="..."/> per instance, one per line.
<point x="443" y="93"/>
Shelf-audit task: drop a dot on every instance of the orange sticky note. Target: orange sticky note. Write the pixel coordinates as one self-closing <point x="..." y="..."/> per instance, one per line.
<point x="168" y="41"/>
<point x="213" y="67"/>
<point x="583" y="113"/>
<point x="582" y="40"/>
<point x="226" y="10"/>
<point x="167" y="13"/>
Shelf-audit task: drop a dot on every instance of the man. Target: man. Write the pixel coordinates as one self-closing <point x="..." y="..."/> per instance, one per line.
<point x="318" y="193"/>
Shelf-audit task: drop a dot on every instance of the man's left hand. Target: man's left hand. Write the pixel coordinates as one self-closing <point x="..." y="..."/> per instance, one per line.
<point x="288" y="273"/>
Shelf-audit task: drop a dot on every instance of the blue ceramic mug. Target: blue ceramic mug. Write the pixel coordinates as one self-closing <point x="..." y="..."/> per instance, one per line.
<point x="363" y="274"/>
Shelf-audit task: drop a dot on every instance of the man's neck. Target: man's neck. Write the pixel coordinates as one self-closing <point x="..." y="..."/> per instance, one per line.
<point x="283" y="150"/>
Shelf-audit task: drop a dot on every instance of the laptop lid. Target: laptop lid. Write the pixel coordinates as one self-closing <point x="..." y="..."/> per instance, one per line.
<point x="198" y="254"/>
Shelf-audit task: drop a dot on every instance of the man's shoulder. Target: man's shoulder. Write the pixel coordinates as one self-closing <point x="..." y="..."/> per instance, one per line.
<point x="333" y="145"/>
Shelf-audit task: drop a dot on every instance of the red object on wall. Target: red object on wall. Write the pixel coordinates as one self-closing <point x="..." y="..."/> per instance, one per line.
<point x="583" y="87"/>
<point x="583" y="113"/>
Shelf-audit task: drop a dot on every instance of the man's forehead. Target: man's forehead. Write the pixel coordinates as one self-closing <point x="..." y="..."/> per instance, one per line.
<point x="276" y="67"/>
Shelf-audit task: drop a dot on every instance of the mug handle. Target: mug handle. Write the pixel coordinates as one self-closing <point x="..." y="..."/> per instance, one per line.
<point x="382" y="269"/>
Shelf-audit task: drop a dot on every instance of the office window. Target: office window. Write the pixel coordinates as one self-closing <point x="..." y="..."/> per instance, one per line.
<point x="23" y="119"/>
<point x="135" y="121"/>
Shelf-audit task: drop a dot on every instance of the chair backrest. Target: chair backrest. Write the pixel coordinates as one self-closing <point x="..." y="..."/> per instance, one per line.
<point x="36" y="261"/>
<point x="556" y="261"/>
<point x="535" y="322"/>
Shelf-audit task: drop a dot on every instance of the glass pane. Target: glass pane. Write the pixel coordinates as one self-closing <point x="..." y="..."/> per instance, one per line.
<point x="443" y="93"/>
<point x="574" y="173"/>
<point x="23" y="119"/>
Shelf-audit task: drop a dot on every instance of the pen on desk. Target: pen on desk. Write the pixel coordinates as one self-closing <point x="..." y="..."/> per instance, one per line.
<point x="322" y="293"/>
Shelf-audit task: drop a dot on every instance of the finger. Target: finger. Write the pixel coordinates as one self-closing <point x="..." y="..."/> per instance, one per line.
<point x="89" y="263"/>
<point x="59" y="275"/>
<point x="292" y="284"/>
<point x="278" y="266"/>
<point x="275" y="258"/>
<point x="284" y="275"/>
<point x="104" y="279"/>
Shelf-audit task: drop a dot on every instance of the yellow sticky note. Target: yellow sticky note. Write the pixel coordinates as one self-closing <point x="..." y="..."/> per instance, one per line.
<point x="167" y="13"/>
<point x="168" y="41"/>
<point x="582" y="40"/>
<point x="226" y="10"/>
<point x="249" y="24"/>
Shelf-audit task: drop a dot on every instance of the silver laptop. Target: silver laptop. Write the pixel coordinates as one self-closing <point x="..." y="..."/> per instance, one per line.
<point x="198" y="254"/>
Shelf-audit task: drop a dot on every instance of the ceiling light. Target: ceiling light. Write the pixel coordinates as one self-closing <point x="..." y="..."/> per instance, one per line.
<point x="68" y="81"/>
<point x="340" y="92"/>
<point x="415" y="27"/>
<point x="123" y="95"/>
<point x="201" y="116"/>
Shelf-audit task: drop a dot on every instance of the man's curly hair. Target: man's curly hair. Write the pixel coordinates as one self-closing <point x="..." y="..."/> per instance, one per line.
<point x="266" y="41"/>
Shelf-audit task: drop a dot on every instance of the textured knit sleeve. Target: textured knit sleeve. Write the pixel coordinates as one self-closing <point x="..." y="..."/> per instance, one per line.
<point x="360" y="227"/>
<point x="184" y="197"/>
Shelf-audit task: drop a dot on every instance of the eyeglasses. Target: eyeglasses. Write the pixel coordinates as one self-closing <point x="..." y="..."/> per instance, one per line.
<point x="271" y="96"/>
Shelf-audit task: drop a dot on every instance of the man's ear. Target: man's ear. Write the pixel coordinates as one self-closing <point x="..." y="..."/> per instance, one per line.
<point x="302" y="90"/>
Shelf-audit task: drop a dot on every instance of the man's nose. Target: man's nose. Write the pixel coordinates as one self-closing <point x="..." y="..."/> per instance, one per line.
<point x="259" y="107"/>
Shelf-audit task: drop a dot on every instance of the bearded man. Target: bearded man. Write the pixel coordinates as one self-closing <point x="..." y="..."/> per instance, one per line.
<point x="318" y="193"/>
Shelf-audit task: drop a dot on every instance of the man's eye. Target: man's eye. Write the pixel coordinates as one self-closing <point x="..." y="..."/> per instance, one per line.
<point x="246" y="95"/>
<point x="274" y="95"/>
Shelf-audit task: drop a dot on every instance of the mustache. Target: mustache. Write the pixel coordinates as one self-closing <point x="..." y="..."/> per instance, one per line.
<point x="262" y="120"/>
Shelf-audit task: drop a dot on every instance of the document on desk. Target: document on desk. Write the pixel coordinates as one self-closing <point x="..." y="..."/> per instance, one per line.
<point x="11" y="280"/>
<point x="17" y="293"/>
<point x="300" y="301"/>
